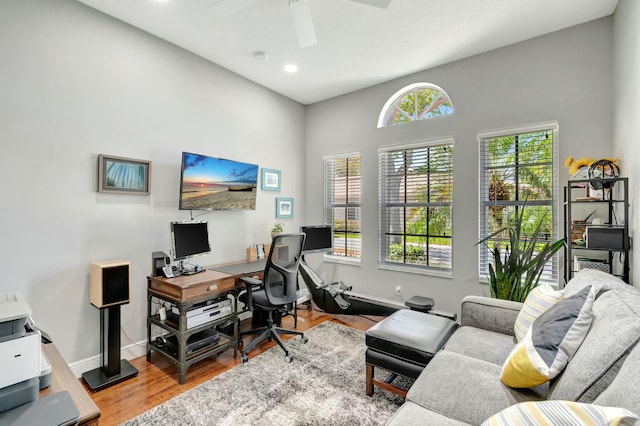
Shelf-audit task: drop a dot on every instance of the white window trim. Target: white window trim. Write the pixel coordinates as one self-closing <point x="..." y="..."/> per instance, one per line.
<point x="535" y="127"/>
<point x="403" y="91"/>
<point x="343" y="260"/>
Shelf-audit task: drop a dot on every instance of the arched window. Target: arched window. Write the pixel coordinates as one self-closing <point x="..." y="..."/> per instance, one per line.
<point x="418" y="101"/>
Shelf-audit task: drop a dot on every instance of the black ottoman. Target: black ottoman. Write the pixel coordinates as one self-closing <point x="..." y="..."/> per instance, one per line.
<point x="404" y="343"/>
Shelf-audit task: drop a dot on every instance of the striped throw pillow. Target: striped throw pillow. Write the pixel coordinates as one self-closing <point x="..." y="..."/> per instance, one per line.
<point x="552" y="340"/>
<point x="565" y="413"/>
<point x="539" y="300"/>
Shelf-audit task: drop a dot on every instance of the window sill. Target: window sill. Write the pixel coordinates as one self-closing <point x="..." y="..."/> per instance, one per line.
<point x="341" y="260"/>
<point x="417" y="270"/>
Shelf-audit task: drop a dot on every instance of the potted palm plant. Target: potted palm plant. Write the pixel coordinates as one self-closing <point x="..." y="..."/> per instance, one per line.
<point x="516" y="270"/>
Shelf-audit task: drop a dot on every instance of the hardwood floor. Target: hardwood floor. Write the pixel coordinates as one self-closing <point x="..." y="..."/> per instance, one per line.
<point x="157" y="381"/>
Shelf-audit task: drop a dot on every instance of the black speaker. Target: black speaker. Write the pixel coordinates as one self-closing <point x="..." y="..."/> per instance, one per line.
<point x="159" y="259"/>
<point x="109" y="283"/>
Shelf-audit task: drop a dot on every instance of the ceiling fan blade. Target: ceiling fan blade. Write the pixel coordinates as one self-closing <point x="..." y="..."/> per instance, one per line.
<point x="303" y="23"/>
<point x="383" y="4"/>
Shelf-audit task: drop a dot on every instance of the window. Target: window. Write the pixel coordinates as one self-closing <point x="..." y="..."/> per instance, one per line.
<point x="518" y="171"/>
<point x="342" y="189"/>
<point x="416" y="201"/>
<point x="417" y="101"/>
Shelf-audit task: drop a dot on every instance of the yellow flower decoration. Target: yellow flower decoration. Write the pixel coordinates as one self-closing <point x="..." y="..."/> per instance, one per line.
<point x="574" y="165"/>
<point x="568" y="161"/>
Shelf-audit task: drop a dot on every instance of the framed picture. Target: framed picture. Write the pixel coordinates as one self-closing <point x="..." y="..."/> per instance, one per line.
<point x="124" y="175"/>
<point x="270" y="180"/>
<point x="260" y="251"/>
<point x="284" y="208"/>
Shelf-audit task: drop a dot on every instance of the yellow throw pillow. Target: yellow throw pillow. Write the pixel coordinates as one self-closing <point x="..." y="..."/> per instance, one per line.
<point x="539" y="300"/>
<point x="566" y="413"/>
<point x="552" y="340"/>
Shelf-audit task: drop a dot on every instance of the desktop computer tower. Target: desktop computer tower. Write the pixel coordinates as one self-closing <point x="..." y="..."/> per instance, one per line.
<point x="109" y="283"/>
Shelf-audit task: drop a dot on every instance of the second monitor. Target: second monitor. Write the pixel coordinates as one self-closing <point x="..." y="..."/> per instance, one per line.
<point x="319" y="239"/>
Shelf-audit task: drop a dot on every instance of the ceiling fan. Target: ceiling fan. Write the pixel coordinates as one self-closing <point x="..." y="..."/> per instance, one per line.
<point x="301" y="15"/>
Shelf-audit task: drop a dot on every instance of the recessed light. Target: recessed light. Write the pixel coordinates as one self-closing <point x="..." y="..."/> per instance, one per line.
<point x="291" y="68"/>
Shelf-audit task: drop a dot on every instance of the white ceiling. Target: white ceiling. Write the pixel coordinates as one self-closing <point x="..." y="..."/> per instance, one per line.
<point x="358" y="45"/>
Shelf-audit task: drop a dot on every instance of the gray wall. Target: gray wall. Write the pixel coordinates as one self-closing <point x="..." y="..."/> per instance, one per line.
<point x="564" y="76"/>
<point x="75" y="83"/>
<point x="626" y="36"/>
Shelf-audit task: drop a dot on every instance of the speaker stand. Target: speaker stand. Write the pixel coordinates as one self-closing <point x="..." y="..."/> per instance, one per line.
<point x="113" y="369"/>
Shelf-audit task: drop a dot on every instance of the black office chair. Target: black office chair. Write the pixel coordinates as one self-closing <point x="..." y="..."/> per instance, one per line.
<point x="277" y="292"/>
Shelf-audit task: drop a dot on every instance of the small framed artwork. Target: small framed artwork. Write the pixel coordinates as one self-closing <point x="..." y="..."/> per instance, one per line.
<point x="124" y="175"/>
<point x="270" y="180"/>
<point x="284" y="208"/>
<point x="260" y="251"/>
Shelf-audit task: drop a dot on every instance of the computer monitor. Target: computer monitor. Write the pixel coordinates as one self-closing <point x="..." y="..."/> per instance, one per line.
<point x="189" y="239"/>
<point x="319" y="238"/>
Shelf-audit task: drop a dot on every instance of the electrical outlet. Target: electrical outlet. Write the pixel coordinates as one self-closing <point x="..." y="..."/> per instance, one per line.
<point x="398" y="290"/>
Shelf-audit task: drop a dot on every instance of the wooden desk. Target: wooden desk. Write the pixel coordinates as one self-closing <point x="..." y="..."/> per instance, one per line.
<point x="184" y="293"/>
<point x="241" y="268"/>
<point x="194" y="288"/>
<point x="62" y="378"/>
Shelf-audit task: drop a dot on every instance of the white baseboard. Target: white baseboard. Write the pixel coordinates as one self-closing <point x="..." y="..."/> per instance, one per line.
<point x="134" y="350"/>
<point x="138" y="349"/>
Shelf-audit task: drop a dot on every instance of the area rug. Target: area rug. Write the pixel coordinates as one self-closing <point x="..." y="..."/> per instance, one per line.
<point x="323" y="385"/>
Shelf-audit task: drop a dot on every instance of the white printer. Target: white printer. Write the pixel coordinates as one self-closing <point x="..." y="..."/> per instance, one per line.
<point x="25" y="369"/>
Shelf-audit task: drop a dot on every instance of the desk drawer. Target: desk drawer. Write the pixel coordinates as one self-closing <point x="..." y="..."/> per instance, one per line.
<point x="210" y="288"/>
<point x="166" y="288"/>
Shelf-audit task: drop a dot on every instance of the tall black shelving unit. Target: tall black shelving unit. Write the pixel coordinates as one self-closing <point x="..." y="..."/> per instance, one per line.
<point x="610" y="203"/>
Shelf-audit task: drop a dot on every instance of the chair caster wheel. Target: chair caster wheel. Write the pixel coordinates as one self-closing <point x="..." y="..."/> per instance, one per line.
<point x="288" y="358"/>
<point x="244" y="358"/>
<point x="304" y="339"/>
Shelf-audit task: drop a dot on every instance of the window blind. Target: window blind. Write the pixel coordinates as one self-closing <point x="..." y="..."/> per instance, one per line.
<point x="416" y="202"/>
<point x="518" y="170"/>
<point x="342" y="203"/>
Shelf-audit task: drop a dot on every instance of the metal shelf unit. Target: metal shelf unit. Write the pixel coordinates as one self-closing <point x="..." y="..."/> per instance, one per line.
<point x="610" y="204"/>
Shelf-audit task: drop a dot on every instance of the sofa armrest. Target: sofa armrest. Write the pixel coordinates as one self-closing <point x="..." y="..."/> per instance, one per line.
<point x="490" y="314"/>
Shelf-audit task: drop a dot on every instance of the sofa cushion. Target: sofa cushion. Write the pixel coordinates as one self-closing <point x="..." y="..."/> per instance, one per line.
<point x="539" y="300"/>
<point x="614" y="331"/>
<point x="489" y="314"/>
<point x="550" y="342"/>
<point x="466" y="389"/>
<point x="587" y="277"/>
<point x="561" y="413"/>
<point x="481" y="344"/>
<point x="624" y="391"/>
<point x="413" y="414"/>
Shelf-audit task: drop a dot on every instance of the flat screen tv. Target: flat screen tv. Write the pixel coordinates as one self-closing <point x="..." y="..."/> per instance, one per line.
<point x="319" y="238"/>
<point x="210" y="183"/>
<point x="189" y="239"/>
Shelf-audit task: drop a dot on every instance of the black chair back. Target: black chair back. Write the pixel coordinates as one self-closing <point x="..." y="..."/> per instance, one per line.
<point x="281" y="271"/>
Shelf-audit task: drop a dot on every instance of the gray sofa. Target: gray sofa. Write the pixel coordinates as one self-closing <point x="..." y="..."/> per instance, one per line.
<point x="461" y="385"/>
